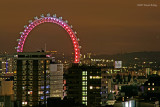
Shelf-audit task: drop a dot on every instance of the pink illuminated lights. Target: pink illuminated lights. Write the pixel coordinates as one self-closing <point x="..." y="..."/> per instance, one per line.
<point x="51" y="20"/>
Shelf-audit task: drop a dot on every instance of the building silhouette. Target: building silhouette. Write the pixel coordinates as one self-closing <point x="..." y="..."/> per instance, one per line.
<point x="84" y="85"/>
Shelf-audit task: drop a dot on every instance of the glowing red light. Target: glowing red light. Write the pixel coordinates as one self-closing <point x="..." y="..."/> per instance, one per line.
<point x="53" y="20"/>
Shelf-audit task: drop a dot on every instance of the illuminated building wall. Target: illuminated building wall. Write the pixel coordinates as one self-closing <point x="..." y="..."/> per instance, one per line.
<point x="56" y="80"/>
<point x="6" y="66"/>
<point x="31" y="78"/>
<point x="104" y="86"/>
<point x="94" y="84"/>
<point x="84" y="85"/>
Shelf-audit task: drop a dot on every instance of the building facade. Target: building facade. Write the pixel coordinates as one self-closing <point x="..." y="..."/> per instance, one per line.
<point x="6" y="67"/>
<point x="84" y="85"/>
<point x="31" y="78"/>
<point x="56" y="80"/>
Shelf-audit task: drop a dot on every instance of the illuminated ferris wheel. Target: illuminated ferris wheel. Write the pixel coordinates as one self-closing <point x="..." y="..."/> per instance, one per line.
<point x="51" y="19"/>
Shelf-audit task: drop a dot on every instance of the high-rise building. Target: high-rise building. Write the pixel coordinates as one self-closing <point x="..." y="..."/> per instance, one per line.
<point x="31" y="78"/>
<point x="74" y="83"/>
<point x="56" y="80"/>
<point x="84" y="85"/>
<point x="6" y="67"/>
<point x="104" y="87"/>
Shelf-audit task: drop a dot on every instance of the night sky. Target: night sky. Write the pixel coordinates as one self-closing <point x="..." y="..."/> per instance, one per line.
<point x="103" y="26"/>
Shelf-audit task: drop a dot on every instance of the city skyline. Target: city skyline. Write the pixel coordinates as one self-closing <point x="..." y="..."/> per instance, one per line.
<point x="105" y="27"/>
<point x="79" y="53"/>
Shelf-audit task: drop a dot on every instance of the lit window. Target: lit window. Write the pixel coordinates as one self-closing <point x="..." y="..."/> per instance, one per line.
<point x="84" y="88"/>
<point x="42" y="97"/>
<point x="84" y="93"/>
<point x="148" y="89"/>
<point x="84" y="103"/>
<point x="84" y="73"/>
<point x="47" y="61"/>
<point x="91" y="87"/>
<point x="84" y="83"/>
<point x="152" y="83"/>
<point x="23" y="88"/>
<point x="47" y="86"/>
<point x="90" y="77"/>
<point x="148" y="83"/>
<point x="96" y="77"/>
<point x="15" y="72"/>
<point x="98" y="87"/>
<point x="122" y="98"/>
<point x="29" y="92"/>
<point x="84" y="98"/>
<point x="24" y="103"/>
<point x="84" y="78"/>
<point x="153" y="89"/>
<point x="40" y="92"/>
